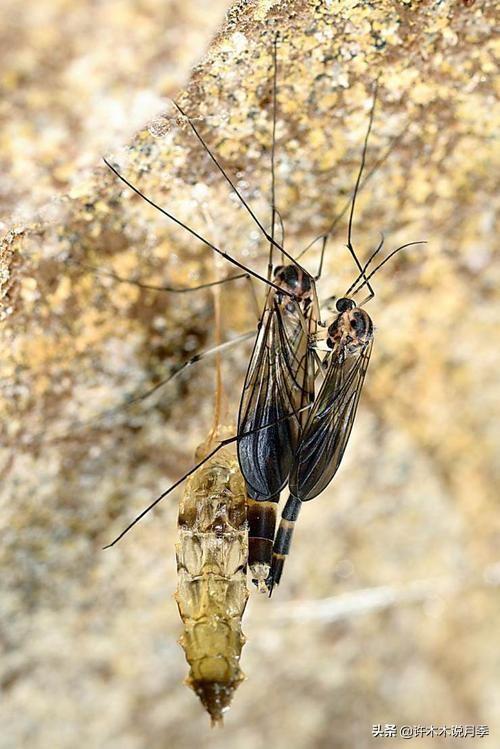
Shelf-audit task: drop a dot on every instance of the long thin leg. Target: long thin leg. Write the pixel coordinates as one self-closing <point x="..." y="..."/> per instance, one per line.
<point x="319" y="363"/>
<point x="356" y="186"/>
<point x="255" y="301"/>
<point x="219" y="391"/>
<point x="273" y="176"/>
<point x="95" y="421"/>
<point x="282" y="226"/>
<point x="195" y="233"/>
<point x="170" y="489"/>
<point x="352" y="202"/>
<point x="215" y="350"/>
<point x="235" y="189"/>
<point x="283" y="541"/>
<point x="153" y="287"/>
<point x="221" y="444"/>
<point x="221" y="169"/>
<point x="340" y="215"/>
<point x="321" y="258"/>
<point x="78" y="426"/>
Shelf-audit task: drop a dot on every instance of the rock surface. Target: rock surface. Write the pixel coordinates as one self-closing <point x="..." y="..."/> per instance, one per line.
<point x="389" y="608"/>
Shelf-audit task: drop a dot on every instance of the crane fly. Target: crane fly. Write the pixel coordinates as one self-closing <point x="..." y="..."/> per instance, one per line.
<point x="274" y="428"/>
<point x="328" y="425"/>
<point x="280" y="376"/>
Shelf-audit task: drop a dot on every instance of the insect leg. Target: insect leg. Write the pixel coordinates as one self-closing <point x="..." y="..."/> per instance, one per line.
<point x="273" y="176"/>
<point x="255" y="301"/>
<point x="340" y="215"/>
<point x="352" y="201"/>
<point x="177" y="483"/>
<point x="194" y="233"/>
<point x="257" y="221"/>
<point x="171" y="489"/>
<point x="270" y="237"/>
<point x="93" y="422"/>
<point x="215" y="350"/>
<point x="358" y="181"/>
<point x="155" y="287"/>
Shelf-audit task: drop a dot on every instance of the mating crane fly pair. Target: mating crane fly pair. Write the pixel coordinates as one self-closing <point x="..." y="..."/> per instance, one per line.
<point x="297" y="409"/>
<point x="287" y="433"/>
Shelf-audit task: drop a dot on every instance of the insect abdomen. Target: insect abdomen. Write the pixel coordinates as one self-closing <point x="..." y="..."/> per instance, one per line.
<point x="261" y="528"/>
<point x="212" y="554"/>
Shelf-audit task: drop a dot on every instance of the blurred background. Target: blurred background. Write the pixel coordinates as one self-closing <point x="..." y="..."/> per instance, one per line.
<point x="389" y="608"/>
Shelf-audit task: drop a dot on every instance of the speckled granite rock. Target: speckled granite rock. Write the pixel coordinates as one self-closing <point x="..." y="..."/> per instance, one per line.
<point x="406" y="540"/>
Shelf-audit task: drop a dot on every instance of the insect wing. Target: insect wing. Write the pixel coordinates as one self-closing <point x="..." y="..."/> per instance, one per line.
<point x="276" y="388"/>
<point x="329" y="425"/>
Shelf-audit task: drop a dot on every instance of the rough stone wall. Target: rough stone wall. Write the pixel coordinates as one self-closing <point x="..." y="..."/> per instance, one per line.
<point x="389" y="610"/>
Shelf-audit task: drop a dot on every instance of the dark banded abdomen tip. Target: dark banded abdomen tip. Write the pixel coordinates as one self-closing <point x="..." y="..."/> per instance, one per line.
<point x="215" y="697"/>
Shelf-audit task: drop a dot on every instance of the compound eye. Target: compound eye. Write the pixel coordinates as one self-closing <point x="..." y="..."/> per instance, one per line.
<point x="278" y="270"/>
<point x="290" y="275"/>
<point x="306" y="283"/>
<point x="343" y="304"/>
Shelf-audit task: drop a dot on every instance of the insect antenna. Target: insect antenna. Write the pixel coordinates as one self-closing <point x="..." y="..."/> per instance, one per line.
<point x="213" y="247"/>
<point x="366" y="280"/>
<point x="362" y="274"/>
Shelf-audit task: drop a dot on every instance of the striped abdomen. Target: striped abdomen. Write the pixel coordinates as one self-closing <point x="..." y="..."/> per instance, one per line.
<point x="212" y="554"/>
<point x="283" y="540"/>
<point x="261" y="527"/>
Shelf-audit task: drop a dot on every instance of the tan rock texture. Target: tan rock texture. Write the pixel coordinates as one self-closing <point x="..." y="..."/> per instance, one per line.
<point x="389" y="609"/>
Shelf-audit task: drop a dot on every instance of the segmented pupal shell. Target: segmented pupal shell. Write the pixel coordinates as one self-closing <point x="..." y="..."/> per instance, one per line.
<point x="212" y="553"/>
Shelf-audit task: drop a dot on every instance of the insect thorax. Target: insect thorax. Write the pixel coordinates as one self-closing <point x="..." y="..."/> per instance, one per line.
<point x="294" y="280"/>
<point x="351" y="330"/>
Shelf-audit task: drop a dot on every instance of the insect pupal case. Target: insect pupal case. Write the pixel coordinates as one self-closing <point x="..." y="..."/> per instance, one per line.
<point x="212" y="554"/>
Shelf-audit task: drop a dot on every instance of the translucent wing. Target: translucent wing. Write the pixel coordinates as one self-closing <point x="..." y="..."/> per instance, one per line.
<point x="279" y="382"/>
<point x="329" y="425"/>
